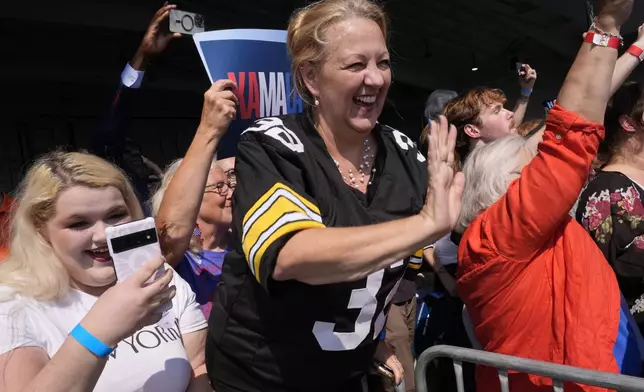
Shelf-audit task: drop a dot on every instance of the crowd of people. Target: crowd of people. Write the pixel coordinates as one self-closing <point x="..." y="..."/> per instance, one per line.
<point x="298" y="264"/>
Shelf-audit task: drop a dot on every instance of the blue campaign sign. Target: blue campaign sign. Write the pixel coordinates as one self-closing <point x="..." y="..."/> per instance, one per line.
<point x="257" y="60"/>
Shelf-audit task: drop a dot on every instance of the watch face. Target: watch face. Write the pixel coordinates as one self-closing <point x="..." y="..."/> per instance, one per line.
<point x="601" y="40"/>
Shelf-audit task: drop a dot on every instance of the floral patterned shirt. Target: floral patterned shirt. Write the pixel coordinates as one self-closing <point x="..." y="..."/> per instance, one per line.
<point x="611" y="210"/>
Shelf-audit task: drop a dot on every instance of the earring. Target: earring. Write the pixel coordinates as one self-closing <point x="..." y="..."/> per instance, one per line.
<point x="317" y="103"/>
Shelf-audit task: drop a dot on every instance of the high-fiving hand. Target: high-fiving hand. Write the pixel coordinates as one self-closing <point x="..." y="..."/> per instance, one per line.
<point x="445" y="189"/>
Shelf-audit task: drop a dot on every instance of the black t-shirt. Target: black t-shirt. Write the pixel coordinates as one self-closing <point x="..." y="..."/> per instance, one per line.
<point x="267" y="335"/>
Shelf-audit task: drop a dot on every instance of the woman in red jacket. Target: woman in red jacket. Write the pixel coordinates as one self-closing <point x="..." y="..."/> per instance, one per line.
<point x="535" y="284"/>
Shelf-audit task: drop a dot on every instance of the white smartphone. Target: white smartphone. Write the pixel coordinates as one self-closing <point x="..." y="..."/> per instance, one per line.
<point x="133" y="244"/>
<point x="185" y="22"/>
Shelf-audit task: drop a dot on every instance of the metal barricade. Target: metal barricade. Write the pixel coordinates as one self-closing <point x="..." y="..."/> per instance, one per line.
<point x="505" y="363"/>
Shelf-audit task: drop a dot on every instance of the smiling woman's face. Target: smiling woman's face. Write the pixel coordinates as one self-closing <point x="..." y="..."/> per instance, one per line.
<point x="216" y="206"/>
<point x="77" y="233"/>
<point x="352" y="82"/>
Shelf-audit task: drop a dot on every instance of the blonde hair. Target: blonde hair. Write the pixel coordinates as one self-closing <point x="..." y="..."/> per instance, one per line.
<point x="308" y="27"/>
<point x="32" y="269"/>
<point x="489" y="170"/>
<point x="157" y="198"/>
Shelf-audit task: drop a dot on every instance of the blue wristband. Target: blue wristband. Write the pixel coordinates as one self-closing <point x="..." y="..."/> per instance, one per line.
<point x="88" y="341"/>
<point x="526" y="92"/>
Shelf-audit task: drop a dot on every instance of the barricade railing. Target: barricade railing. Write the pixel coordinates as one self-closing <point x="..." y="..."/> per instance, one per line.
<point x="505" y="363"/>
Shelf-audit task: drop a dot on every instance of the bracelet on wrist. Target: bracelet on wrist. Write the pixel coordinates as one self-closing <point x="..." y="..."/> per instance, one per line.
<point x="595" y="28"/>
<point x="91" y="343"/>
<point x="636" y="51"/>
<point x="526" y="92"/>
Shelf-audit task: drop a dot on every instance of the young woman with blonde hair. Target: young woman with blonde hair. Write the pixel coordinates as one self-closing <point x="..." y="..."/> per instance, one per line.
<point x="67" y="324"/>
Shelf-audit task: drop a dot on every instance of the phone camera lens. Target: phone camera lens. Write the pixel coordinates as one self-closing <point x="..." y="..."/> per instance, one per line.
<point x="187" y="23"/>
<point x="199" y="21"/>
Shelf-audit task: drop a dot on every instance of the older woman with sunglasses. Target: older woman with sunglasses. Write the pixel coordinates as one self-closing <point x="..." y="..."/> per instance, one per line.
<point x="193" y="206"/>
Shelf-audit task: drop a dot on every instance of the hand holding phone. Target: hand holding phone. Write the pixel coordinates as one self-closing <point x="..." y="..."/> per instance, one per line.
<point x="385" y="359"/>
<point x="156" y="39"/>
<point x="386" y="371"/>
<point x="527" y="76"/>
<point x="132" y="245"/>
<point x="115" y="315"/>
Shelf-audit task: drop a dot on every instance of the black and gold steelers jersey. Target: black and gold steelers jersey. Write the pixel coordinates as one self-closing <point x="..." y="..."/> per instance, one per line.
<point x="267" y="335"/>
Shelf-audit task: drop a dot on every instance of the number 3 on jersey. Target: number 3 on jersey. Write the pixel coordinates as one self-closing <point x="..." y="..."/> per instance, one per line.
<point x="365" y="300"/>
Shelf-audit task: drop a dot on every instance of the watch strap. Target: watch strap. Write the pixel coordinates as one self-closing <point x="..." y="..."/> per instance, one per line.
<point x="606" y="41"/>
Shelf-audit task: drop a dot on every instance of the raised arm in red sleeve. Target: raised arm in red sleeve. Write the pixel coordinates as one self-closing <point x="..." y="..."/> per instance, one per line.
<point x="536" y="204"/>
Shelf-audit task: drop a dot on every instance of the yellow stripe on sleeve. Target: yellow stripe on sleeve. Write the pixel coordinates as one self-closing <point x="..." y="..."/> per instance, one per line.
<point x="283" y="230"/>
<point x="414" y="266"/>
<point x="271" y="192"/>
<point x="278" y="212"/>
<point x="416" y="261"/>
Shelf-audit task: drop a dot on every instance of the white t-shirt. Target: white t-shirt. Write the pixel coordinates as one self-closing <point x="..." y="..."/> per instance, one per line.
<point x="152" y="359"/>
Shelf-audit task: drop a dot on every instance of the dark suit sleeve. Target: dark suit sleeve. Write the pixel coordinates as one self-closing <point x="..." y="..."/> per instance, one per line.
<point x="110" y="140"/>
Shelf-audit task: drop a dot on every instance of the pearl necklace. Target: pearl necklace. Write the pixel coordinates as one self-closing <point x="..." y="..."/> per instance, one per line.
<point x="364" y="167"/>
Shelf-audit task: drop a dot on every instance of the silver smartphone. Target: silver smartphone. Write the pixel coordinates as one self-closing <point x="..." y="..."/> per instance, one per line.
<point x="133" y="244"/>
<point x="185" y="22"/>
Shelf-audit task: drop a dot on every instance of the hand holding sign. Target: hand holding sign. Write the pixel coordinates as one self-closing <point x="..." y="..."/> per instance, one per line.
<point x="257" y="61"/>
<point x="219" y="108"/>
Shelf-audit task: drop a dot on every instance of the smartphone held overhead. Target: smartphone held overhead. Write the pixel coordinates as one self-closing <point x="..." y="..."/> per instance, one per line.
<point x="185" y="22"/>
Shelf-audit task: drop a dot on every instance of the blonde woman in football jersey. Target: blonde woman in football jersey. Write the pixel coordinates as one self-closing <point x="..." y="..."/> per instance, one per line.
<point x="329" y="207"/>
